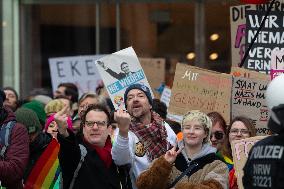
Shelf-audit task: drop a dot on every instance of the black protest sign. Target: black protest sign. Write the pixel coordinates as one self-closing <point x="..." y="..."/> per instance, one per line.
<point x="271" y="37"/>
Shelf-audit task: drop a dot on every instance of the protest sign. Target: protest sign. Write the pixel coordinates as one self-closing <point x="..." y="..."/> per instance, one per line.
<point x="271" y="37"/>
<point x="240" y="152"/>
<point x="154" y="69"/>
<point x="166" y="96"/>
<point x="120" y="70"/>
<point x="238" y="27"/>
<point x="241" y="72"/>
<point x="200" y="89"/>
<point x="277" y="63"/>
<point x="248" y="100"/>
<point x="80" y="70"/>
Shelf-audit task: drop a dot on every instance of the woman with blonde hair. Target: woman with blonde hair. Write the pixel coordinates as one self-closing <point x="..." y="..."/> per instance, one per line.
<point x="193" y="165"/>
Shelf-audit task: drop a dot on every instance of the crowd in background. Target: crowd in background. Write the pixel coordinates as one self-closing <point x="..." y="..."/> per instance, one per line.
<point x="63" y="141"/>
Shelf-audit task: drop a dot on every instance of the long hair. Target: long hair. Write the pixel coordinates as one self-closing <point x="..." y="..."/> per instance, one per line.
<point x="226" y="148"/>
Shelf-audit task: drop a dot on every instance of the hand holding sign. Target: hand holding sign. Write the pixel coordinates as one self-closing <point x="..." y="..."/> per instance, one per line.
<point x="61" y="121"/>
<point x="123" y="120"/>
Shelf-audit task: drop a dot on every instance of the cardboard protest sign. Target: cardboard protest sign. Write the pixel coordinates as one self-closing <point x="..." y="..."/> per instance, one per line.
<point x="238" y="27"/>
<point x="240" y="152"/>
<point x="166" y="96"/>
<point x="200" y="89"/>
<point x="271" y="37"/>
<point x="238" y="31"/>
<point x="248" y="100"/>
<point x="241" y="72"/>
<point x="277" y="63"/>
<point x="120" y="70"/>
<point x="80" y="70"/>
<point x="154" y="69"/>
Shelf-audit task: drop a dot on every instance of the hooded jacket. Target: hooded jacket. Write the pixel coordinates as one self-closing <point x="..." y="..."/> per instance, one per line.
<point x="209" y="172"/>
<point x="17" y="154"/>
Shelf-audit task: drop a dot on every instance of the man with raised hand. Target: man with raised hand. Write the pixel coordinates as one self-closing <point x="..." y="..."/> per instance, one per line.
<point x="85" y="159"/>
<point x="142" y="135"/>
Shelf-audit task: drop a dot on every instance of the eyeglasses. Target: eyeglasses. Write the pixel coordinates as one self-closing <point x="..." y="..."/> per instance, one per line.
<point x="237" y="131"/>
<point x="218" y="135"/>
<point x="99" y="124"/>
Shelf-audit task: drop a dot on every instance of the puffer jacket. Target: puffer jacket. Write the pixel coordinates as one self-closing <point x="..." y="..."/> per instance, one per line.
<point x="16" y="158"/>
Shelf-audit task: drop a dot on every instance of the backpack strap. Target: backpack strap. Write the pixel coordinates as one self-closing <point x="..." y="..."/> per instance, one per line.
<point x="83" y="151"/>
<point x="7" y="131"/>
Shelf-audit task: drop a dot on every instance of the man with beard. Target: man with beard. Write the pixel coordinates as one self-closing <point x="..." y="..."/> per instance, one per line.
<point x="142" y="135"/>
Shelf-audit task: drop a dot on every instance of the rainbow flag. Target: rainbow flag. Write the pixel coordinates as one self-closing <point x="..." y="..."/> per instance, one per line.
<point x="46" y="170"/>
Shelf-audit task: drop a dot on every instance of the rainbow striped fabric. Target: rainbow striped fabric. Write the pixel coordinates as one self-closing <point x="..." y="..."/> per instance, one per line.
<point x="46" y="170"/>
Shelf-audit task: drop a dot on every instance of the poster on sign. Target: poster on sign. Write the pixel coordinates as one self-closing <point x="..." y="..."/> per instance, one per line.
<point x="196" y="88"/>
<point x="248" y="99"/>
<point x="120" y="70"/>
<point x="155" y="72"/>
<point x="277" y="63"/>
<point x="80" y="70"/>
<point x="240" y="152"/>
<point x="271" y="37"/>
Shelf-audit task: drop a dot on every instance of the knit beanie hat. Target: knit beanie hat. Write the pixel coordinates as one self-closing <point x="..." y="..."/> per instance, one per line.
<point x="2" y="97"/>
<point x="202" y="118"/>
<point x="140" y="87"/>
<point x="50" y="119"/>
<point x="38" y="108"/>
<point x="28" y="118"/>
<point x="53" y="106"/>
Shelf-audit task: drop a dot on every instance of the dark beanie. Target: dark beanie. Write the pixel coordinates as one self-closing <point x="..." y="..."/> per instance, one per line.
<point x="28" y="118"/>
<point x="2" y="97"/>
<point x="38" y="108"/>
<point x="140" y="87"/>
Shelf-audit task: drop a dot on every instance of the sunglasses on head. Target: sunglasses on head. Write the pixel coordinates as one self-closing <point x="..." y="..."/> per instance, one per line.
<point x="218" y="135"/>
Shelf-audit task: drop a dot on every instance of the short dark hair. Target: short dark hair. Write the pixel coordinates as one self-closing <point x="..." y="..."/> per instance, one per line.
<point x="12" y="89"/>
<point x="218" y="118"/>
<point x="95" y="107"/>
<point x="123" y="64"/>
<point x="160" y="108"/>
<point x="71" y="90"/>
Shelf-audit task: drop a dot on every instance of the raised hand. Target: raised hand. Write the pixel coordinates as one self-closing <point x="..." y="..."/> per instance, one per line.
<point x="171" y="155"/>
<point x="61" y="121"/>
<point x="101" y="64"/>
<point x="123" y="120"/>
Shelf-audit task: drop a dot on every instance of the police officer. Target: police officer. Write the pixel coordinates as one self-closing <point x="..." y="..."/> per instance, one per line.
<point x="265" y="164"/>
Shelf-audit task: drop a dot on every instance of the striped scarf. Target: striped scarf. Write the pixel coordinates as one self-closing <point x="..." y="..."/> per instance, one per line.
<point x="153" y="136"/>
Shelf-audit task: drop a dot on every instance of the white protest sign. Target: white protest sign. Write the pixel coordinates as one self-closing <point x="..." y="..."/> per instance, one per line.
<point x="277" y="63"/>
<point x="80" y="70"/>
<point x="120" y="70"/>
<point x="166" y="96"/>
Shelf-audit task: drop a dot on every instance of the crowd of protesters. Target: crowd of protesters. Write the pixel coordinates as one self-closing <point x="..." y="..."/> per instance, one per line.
<point x="63" y="141"/>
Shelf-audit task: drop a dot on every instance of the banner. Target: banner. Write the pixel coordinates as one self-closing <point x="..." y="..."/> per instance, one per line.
<point x="277" y="63"/>
<point x="271" y="37"/>
<point x="240" y="152"/>
<point x="199" y="89"/>
<point x="80" y="70"/>
<point x="248" y="100"/>
<point x="120" y="70"/>
<point x="154" y="69"/>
